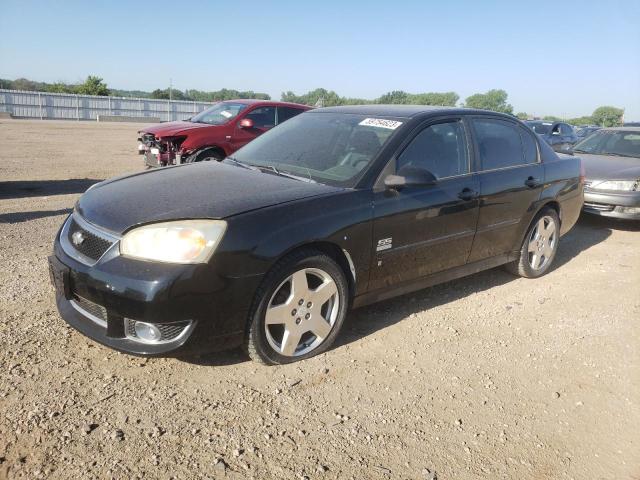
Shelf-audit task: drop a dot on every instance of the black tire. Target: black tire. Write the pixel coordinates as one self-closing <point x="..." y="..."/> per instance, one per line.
<point x="207" y="155"/>
<point x="523" y="265"/>
<point x="256" y="343"/>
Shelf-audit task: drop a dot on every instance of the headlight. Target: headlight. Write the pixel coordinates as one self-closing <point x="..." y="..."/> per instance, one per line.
<point x="627" y="185"/>
<point x="184" y="241"/>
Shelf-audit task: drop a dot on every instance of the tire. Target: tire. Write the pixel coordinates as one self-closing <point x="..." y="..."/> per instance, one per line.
<point x="304" y="319"/>
<point x="210" y="154"/>
<point x="539" y="246"/>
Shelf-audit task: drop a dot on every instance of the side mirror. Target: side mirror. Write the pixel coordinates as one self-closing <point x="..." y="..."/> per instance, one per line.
<point x="410" y="176"/>
<point x="555" y="132"/>
<point x="246" y="123"/>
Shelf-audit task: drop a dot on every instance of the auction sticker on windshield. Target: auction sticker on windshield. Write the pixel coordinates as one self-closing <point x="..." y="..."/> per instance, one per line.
<point x="381" y="122"/>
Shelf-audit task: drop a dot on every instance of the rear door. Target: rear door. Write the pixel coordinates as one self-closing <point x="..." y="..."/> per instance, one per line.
<point x="420" y="230"/>
<point x="511" y="180"/>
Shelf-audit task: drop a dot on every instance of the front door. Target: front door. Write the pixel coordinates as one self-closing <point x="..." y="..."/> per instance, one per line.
<point x="263" y="118"/>
<point x="420" y="230"/>
<point x="511" y="180"/>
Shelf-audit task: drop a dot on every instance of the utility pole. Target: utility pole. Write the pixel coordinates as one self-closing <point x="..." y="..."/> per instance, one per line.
<point x="170" y="86"/>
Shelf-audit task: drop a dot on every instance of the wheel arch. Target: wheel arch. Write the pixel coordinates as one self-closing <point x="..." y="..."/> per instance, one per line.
<point x="337" y="253"/>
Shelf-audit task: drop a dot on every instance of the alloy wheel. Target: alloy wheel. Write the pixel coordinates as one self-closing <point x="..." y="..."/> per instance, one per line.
<point x="542" y="242"/>
<point x="302" y="312"/>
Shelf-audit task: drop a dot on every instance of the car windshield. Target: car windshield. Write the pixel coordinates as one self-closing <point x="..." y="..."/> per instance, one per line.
<point x="219" y="113"/>
<point x="611" y="142"/>
<point x="541" y="128"/>
<point x="331" y="148"/>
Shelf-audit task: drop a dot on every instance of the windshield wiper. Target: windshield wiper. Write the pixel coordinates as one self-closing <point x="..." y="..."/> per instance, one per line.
<point x="271" y="168"/>
<point x="242" y="164"/>
<point x="580" y="151"/>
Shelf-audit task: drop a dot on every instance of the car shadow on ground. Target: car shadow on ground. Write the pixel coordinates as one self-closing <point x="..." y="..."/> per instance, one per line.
<point x="367" y="320"/>
<point x="44" y="188"/>
<point x="19" y="217"/>
<point x="589" y="231"/>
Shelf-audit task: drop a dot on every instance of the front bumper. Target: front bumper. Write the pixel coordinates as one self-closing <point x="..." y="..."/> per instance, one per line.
<point x="613" y="204"/>
<point x="212" y="308"/>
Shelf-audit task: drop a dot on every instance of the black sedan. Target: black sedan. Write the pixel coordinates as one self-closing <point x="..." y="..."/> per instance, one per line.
<point x="336" y="208"/>
<point x="559" y="135"/>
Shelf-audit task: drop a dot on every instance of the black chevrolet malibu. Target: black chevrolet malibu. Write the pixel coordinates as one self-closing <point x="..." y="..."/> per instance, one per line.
<point x="336" y="208"/>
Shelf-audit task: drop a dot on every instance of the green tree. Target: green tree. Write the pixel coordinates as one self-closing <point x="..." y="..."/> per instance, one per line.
<point x="495" y="100"/>
<point x="586" y="120"/>
<point x="394" y="97"/>
<point x="328" y="98"/>
<point x="608" y="116"/>
<point x="93" y="86"/>
<point x="522" y="115"/>
<point x="552" y="118"/>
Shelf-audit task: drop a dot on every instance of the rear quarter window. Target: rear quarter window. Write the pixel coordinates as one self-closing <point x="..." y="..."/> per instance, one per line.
<point x="499" y="143"/>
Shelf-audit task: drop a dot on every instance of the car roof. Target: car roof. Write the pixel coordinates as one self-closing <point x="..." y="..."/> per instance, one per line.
<point x="622" y="129"/>
<point x="402" y="111"/>
<point x="254" y="101"/>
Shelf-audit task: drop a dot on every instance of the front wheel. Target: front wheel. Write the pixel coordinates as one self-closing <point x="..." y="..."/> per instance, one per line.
<point x="298" y="310"/>
<point x="539" y="246"/>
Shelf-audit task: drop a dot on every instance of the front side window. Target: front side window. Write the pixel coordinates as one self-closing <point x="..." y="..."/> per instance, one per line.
<point x="263" y="117"/>
<point x="440" y="149"/>
<point x="331" y="148"/>
<point x="565" y="129"/>
<point x="219" y="114"/>
<point x="541" y="128"/>
<point x="499" y="144"/>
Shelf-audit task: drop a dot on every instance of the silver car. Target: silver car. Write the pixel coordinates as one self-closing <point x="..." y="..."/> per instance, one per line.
<point x="611" y="161"/>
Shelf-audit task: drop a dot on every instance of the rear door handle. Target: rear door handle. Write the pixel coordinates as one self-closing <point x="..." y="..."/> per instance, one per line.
<point x="468" y="194"/>
<point x="532" y="182"/>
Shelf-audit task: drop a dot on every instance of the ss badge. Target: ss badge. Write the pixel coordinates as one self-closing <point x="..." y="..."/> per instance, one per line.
<point x="384" y="244"/>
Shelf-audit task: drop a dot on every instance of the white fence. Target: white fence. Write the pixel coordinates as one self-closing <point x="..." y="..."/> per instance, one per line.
<point x="44" y="105"/>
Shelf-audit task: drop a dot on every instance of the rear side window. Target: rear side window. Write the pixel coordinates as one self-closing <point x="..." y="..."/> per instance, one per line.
<point x="530" y="147"/>
<point x="285" y="113"/>
<point x="499" y="144"/>
<point x="439" y="148"/>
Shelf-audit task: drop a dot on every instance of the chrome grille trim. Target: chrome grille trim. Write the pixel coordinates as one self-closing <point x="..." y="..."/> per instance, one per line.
<point x="89" y="309"/>
<point x="70" y="250"/>
<point x="171" y="332"/>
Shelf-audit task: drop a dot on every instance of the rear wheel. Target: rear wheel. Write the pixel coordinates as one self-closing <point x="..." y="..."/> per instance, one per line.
<point x="539" y="246"/>
<point x="298" y="310"/>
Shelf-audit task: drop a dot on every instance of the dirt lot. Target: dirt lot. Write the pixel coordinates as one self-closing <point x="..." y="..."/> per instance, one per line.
<point x="487" y="377"/>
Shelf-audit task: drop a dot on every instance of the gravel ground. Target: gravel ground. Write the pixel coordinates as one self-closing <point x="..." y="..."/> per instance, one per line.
<point x="490" y="376"/>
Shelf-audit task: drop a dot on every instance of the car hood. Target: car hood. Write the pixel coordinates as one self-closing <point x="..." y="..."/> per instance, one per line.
<point x="200" y="190"/>
<point x="610" y="167"/>
<point x="170" y="129"/>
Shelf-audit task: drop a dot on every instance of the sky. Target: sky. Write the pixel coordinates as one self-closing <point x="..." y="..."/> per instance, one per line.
<point x="560" y="58"/>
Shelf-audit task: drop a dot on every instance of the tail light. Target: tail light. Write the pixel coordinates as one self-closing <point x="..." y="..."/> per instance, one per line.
<point x="582" y="172"/>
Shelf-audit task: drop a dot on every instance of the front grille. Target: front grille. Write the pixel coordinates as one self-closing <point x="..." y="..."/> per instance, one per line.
<point x="98" y="311"/>
<point x="169" y="331"/>
<point x="600" y="207"/>
<point x="87" y="243"/>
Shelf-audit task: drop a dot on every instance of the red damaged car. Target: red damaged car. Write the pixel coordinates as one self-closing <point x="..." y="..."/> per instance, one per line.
<point x="214" y="133"/>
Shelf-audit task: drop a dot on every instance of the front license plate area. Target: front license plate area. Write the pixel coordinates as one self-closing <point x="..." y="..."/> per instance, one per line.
<point x="59" y="274"/>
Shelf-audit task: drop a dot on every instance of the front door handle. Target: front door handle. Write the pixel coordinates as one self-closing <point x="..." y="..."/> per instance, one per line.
<point x="468" y="194"/>
<point x="532" y="182"/>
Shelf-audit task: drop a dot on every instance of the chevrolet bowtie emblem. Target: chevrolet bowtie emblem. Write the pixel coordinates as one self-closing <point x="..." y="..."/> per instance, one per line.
<point x="77" y="238"/>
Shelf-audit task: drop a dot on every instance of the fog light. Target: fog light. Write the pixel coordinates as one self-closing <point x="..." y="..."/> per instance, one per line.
<point x="147" y="332"/>
<point x="631" y="210"/>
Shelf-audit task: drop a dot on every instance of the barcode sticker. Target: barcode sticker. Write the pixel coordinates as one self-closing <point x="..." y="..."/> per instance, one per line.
<point x="380" y="122"/>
